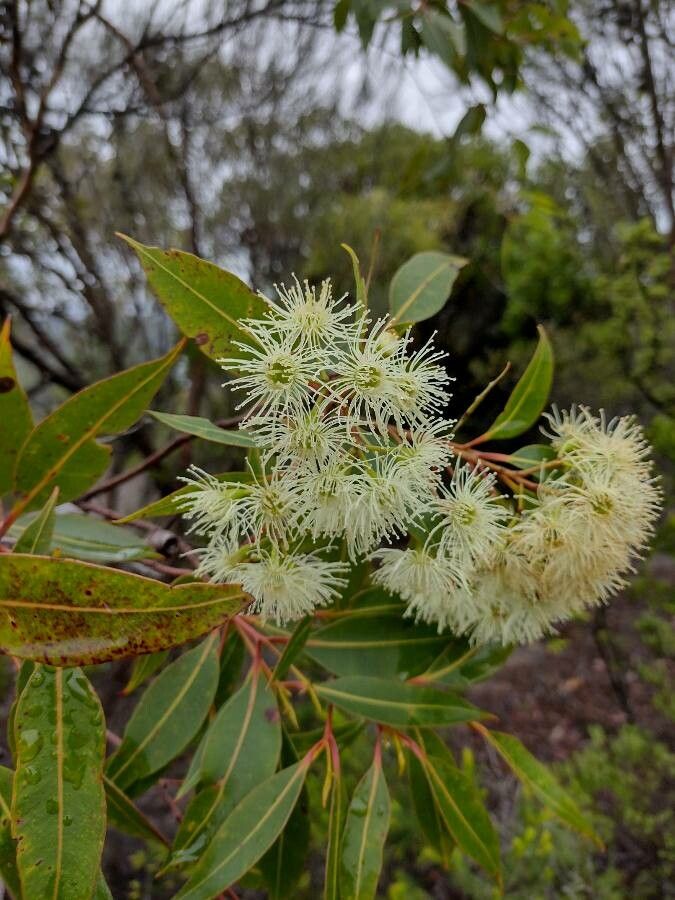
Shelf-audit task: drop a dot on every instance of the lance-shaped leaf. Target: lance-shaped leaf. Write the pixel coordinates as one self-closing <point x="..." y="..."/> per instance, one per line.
<point x="375" y="642"/>
<point x="427" y="811"/>
<point x="142" y="668"/>
<point x="206" y="302"/>
<point x="168" y="715"/>
<point x="365" y="832"/>
<point x="36" y="536"/>
<point x="247" y="833"/>
<point x="205" y="429"/>
<point x="8" y="870"/>
<point x="336" y="823"/>
<point x="15" y="413"/>
<point x="396" y="703"/>
<point x="420" y="288"/>
<point x="66" y="613"/>
<point x="529" y="396"/>
<point x="463" y="812"/>
<point x="59" y="803"/>
<point x="240" y="748"/>
<point x="293" y="648"/>
<point x="540" y="780"/>
<point x="170" y="505"/>
<point x="284" y="862"/>
<point x="62" y="449"/>
<point x="126" y="817"/>
<point x="83" y="537"/>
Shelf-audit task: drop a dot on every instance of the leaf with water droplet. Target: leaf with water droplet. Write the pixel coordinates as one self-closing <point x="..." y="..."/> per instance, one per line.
<point x="59" y="803"/>
<point x="365" y="832"/>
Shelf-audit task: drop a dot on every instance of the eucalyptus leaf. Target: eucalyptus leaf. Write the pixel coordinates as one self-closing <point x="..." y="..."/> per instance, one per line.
<point x="37" y="536"/>
<point x="540" y="780"/>
<point x="62" y="449"/>
<point x="395" y="703"/>
<point x="420" y="288"/>
<point x="9" y="874"/>
<point x="205" y="429"/>
<point x="58" y="804"/>
<point x="247" y="833"/>
<point x="529" y="396"/>
<point x="66" y="613"/>
<point x="206" y="302"/>
<point x="240" y="748"/>
<point x="15" y="414"/>
<point x="365" y="832"/>
<point x="79" y="536"/>
<point x="168" y="715"/>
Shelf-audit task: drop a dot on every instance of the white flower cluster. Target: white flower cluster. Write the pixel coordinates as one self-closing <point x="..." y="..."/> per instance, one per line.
<point x="353" y="453"/>
<point x="569" y="549"/>
<point x="351" y="448"/>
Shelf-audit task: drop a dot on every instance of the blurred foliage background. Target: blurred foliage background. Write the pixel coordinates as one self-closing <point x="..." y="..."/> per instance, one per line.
<point x="534" y="139"/>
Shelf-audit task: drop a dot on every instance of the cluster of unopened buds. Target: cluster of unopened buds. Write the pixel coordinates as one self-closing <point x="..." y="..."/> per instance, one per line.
<point x="357" y="462"/>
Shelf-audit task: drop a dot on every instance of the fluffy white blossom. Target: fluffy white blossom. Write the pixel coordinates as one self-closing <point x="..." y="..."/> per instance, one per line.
<point x="210" y="505"/>
<point x="471" y="517"/>
<point x="300" y="314"/>
<point x="428" y="582"/>
<point x="308" y="435"/>
<point x="287" y="586"/>
<point x="275" y="374"/>
<point x="419" y="389"/>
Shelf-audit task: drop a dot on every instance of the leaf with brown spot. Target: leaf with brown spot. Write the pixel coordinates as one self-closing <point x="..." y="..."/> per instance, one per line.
<point x="206" y="302"/>
<point x="69" y="613"/>
<point x="15" y="413"/>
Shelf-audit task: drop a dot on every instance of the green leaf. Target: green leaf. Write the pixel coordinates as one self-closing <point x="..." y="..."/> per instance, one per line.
<point x="58" y="805"/>
<point x="396" y="703"/>
<point x="247" y="833"/>
<point x="429" y="816"/>
<point x="203" y="428"/>
<point x="420" y="288"/>
<point x="336" y="823"/>
<point x="293" y="648"/>
<point x="365" y="832"/>
<point x="102" y="891"/>
<point x="375" y="643"/>
<point x="461" y="665"/>
<point x="463" y="812"/>
<point x="15" y="414"/>
<point x="531" y="455"/>
<point x="284" y="862"/>
<point x="36" y="537"/>
<point x="529" y="396"/>
<point x="126" y="817"/>
<point x="443" y="36"/>
<point x="85" y="537"/>
<point x="168" y="716"/>
<point x="539" y="779"/>
<point x="64" y="612"/>
<point x="167" y="506"/>
<point x="471" y="122"/>
<point x="359" y="281"/>
<point x="9" y="874"/>
<point x="488" y="14"/>
<point x="142" y="668"/>
<point x="240" y="748"/>
<point x="26" y="669"/>
<point x="206" y="302"/>
<point x="62" y="449"/>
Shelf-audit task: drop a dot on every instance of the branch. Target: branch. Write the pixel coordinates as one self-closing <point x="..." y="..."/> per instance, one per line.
<point x="152" y="460"/>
